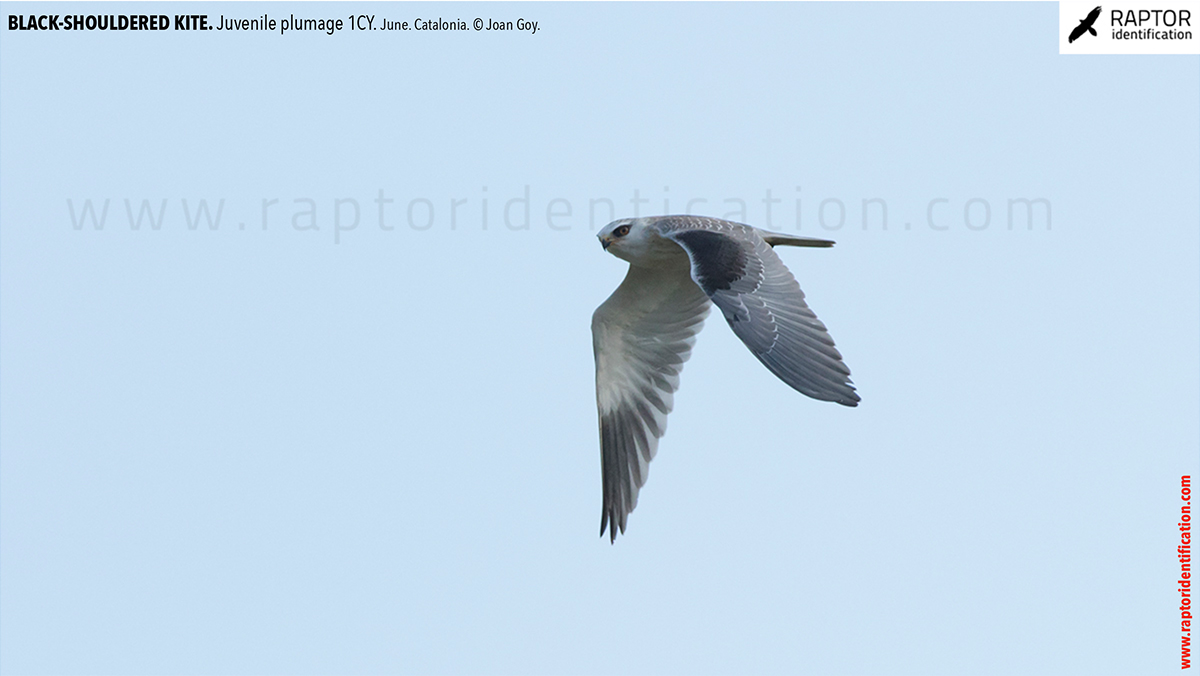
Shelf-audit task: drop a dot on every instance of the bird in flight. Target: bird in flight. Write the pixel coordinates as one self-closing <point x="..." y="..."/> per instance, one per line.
<point x="1085" y="26"/>
<point x="678" y="267"/>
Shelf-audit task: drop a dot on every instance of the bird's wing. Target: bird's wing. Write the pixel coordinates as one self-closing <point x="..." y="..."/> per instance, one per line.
<point x="642" y="335"/>
<point x="1079" y="30"/>
<point x="764" y="305"/>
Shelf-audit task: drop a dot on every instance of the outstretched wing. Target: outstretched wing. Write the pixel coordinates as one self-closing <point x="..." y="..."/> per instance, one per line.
<point x="1079" y="30"/>
<point x="642" y="335"/>
<point x="764" y="305"/>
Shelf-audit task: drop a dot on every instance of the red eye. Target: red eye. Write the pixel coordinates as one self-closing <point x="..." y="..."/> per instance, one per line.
<point x="621" y="231"/>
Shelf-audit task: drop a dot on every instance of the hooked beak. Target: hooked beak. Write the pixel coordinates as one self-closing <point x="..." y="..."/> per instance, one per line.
<point x="604" y="242"/>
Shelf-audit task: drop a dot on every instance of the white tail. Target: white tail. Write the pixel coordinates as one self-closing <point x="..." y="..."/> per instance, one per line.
<point x="778" y="238"/>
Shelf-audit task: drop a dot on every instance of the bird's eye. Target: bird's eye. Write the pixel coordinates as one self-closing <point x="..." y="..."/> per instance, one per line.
<point x="621" y="231"/>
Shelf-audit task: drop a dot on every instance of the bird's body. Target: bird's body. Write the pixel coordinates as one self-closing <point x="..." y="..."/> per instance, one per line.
<point x="679" y="266"/>
<point x="1085" y="26"/>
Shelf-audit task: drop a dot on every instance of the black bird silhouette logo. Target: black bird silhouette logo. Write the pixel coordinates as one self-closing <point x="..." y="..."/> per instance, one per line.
<point x="1085" y="26"/>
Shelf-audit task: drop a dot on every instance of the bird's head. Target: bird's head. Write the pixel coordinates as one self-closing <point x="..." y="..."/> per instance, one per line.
<point x="626" y="239"/>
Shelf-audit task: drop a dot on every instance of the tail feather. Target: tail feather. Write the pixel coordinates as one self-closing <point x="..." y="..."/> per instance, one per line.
<point x="778" y="238"/>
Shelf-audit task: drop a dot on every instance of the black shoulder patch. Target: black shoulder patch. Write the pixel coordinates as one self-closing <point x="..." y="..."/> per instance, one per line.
<point x="719" y="259"/>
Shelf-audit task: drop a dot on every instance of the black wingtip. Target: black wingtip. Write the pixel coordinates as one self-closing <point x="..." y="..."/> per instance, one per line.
<point x="604" y="526"/>
<point x="611" y="525"/>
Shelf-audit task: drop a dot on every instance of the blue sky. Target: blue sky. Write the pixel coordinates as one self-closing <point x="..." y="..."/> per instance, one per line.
<point x="312" y="447"/>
